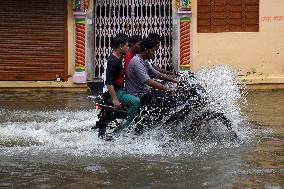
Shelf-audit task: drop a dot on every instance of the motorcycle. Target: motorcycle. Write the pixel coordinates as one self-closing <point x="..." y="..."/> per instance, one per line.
<point x="190" y="103"/>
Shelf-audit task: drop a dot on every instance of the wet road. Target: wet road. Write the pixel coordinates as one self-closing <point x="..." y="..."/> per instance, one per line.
<point x="46" y="142"/>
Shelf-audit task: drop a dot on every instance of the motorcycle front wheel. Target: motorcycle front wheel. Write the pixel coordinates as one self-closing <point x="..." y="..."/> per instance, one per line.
<point x="210" y="123"/>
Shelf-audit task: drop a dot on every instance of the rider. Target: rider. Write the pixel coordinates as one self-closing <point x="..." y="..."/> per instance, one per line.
<point x="157" y="39"/>
<point x="139" y="82"/>
<point x="114" y="79"/>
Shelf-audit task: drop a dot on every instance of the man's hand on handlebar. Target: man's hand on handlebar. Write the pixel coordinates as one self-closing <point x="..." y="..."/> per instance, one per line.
<point x="172" y="90"/>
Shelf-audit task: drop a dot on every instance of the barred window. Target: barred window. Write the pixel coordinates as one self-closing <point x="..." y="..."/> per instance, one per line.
<point x="227" y="16"/>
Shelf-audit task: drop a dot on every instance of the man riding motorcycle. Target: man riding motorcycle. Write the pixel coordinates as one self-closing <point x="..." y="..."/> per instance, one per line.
<point x="139" y="79"/>
<point x="157" y="39"/>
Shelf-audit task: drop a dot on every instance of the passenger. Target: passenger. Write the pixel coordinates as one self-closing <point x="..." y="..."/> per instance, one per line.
<point x="114" y="79"/>
<point x="134" y="48"/>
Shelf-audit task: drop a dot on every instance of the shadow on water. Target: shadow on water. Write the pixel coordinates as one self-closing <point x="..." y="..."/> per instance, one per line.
<point x="46" y="142"/>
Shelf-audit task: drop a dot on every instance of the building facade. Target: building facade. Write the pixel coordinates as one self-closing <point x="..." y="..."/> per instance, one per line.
<point x="254" y="46"/>
<point x="69" y="40"/>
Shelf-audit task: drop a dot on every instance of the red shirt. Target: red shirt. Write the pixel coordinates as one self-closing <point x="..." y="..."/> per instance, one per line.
<point x="129" y="55"/>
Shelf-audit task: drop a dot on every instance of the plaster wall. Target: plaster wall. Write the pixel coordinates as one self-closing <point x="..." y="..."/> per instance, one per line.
<point x="259" y="56"/>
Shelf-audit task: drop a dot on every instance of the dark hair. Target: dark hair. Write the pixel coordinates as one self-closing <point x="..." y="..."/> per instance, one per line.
<point x="147" y="44"/>
<point x="118" y="40"/>
<point x="155" y="37"/>
<point x="134" y="39"/>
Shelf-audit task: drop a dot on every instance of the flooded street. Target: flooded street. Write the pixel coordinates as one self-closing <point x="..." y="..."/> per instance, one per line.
<point x="46" y="142"/>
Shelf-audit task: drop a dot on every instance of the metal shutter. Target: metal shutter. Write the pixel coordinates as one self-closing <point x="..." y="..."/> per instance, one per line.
<point x="33" y="39"/>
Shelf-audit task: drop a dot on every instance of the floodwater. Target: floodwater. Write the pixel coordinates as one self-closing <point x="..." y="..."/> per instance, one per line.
<point x="46" y="142"/>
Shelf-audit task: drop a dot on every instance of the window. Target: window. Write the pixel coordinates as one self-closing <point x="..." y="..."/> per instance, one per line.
<point x="227" y="16"/>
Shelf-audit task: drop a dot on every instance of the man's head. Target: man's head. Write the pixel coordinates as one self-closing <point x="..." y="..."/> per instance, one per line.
<point x="156" y="38"/>
<point x="147" y="48"/>
<point x="120" y="43"/>
<point x="134" y="43"/>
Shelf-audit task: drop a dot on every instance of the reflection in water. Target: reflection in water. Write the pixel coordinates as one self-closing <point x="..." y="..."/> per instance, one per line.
<point x="45" y="141"/>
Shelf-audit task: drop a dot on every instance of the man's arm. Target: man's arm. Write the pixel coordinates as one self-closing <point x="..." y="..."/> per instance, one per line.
<point x="157" y="85"/>
<point x="165" y="77"/>
<point x="115" y="100"/>
<point x="160" y="75"/>
<point x="162" y="70"/>
<point x="110" y="72"/>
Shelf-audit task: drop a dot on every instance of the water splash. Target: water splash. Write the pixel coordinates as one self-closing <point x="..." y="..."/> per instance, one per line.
<point x="68" y="132"/>
<point x="226" y="96"/>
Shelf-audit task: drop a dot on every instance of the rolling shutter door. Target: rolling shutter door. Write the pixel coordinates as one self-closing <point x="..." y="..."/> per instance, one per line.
<point x="33" y="39"/>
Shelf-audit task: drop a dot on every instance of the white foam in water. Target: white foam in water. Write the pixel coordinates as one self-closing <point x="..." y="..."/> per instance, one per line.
<point x="68" y="132"/>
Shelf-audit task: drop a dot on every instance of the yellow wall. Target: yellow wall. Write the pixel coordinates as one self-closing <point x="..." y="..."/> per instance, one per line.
<point x="258" y="55"/>
<point x="260" y="52"/>
<point x="71" y="37"/>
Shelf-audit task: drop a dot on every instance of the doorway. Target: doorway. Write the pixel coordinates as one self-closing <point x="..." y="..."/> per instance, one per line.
<point x="132" y="17"/>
